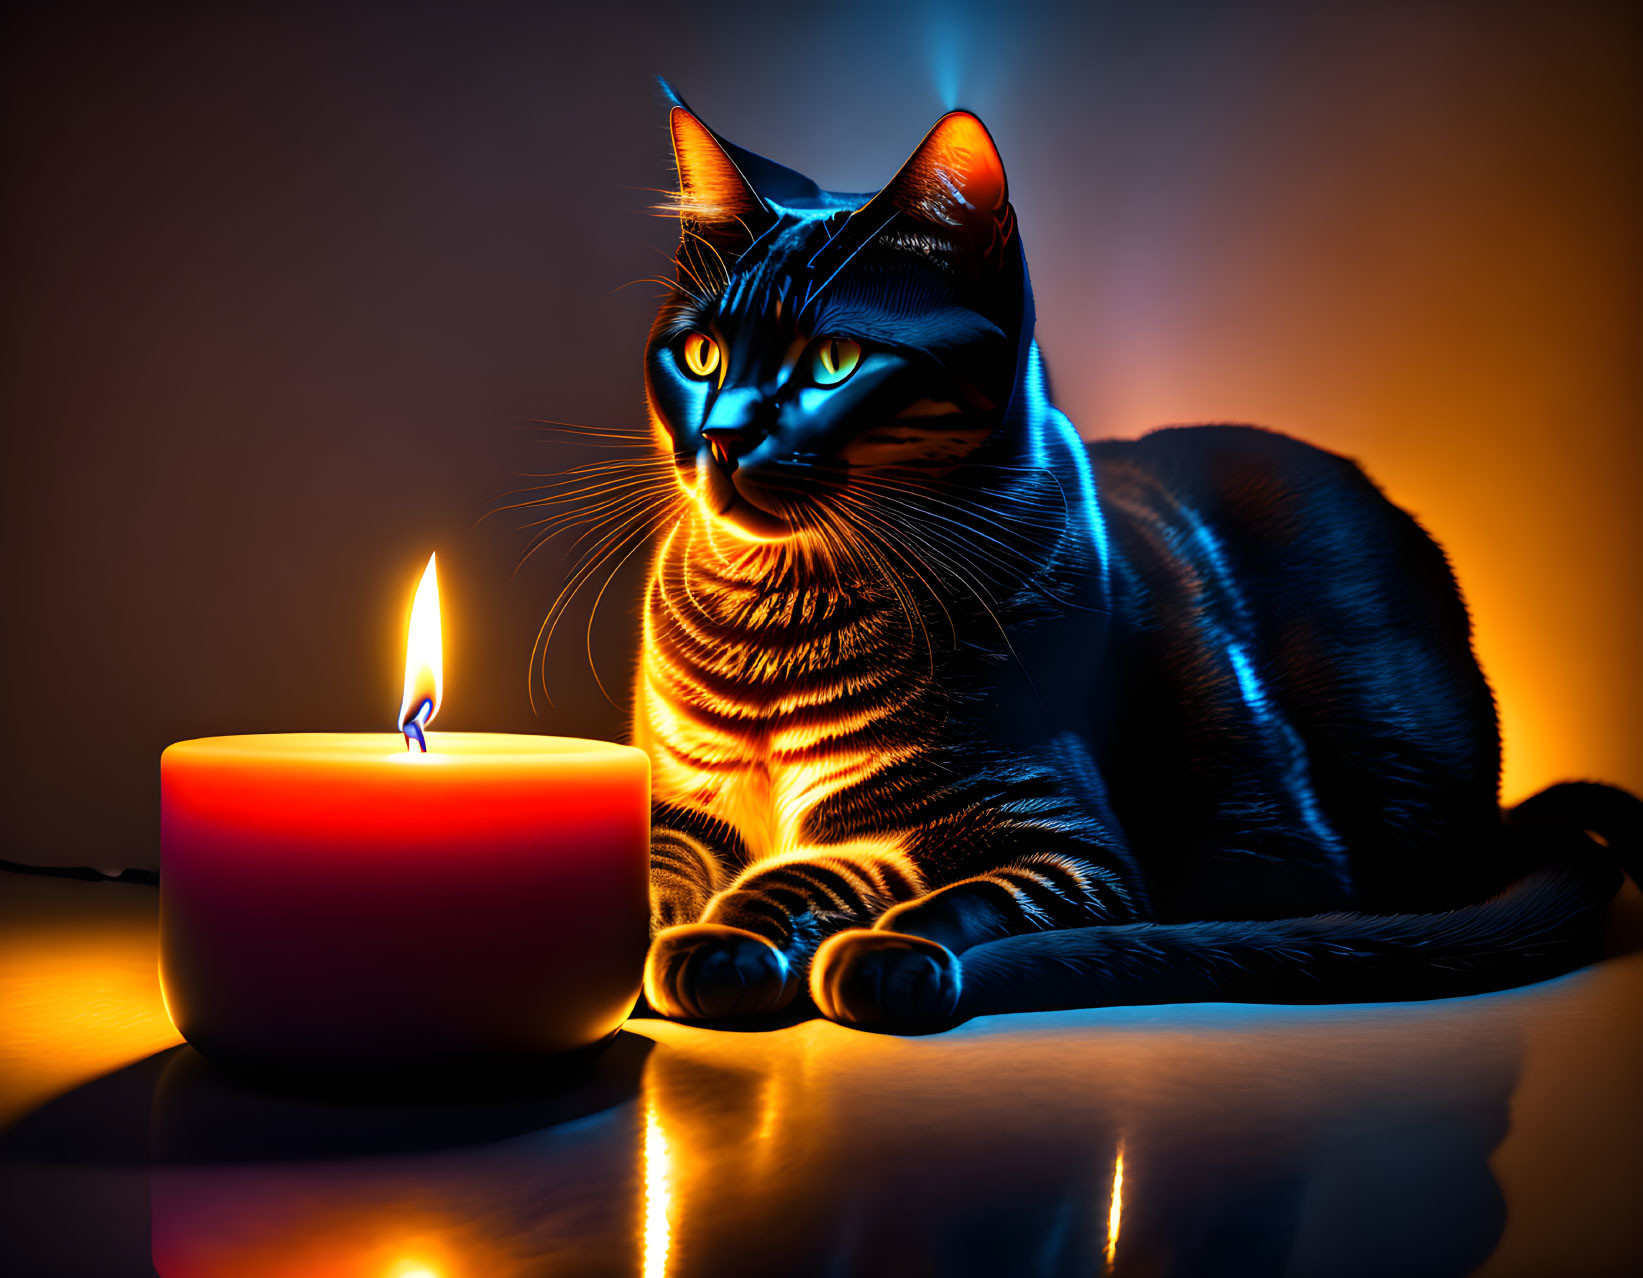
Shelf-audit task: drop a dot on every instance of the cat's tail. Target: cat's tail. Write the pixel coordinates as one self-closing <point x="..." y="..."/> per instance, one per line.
<point x="1547" y="923"/>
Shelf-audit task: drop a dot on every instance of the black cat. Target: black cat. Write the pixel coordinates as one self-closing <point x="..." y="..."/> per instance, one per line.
<point x="952" y="712"/>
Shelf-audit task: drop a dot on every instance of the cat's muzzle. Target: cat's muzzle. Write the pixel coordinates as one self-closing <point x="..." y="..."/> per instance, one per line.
<point x="728" y="492"/>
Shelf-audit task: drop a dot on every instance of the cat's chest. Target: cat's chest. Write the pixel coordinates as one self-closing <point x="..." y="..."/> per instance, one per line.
<point x="756" y="715"/>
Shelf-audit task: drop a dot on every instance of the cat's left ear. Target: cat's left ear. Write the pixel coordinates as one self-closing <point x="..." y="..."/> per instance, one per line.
<point x="954" y="184"/>
<point x="953" y="188"/>
<point x="954" y="178"/>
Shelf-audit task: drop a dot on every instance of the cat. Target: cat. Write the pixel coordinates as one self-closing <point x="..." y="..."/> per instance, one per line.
<point x="952" y="712"/>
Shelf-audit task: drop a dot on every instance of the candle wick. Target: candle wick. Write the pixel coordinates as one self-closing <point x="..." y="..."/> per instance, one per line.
<point x="413" y="726"/>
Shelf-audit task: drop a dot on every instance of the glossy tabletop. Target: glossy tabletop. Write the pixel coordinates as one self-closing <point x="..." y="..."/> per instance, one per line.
<point x="1499" y="1135"/>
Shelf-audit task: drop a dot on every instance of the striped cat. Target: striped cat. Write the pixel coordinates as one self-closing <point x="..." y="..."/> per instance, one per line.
<point x="951" y="712"/>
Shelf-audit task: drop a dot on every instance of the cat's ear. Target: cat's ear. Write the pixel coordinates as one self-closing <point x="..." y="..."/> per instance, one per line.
<point x="954" y="179"/>
<point x="953" y="188"/>
<point x="712" y="190"/>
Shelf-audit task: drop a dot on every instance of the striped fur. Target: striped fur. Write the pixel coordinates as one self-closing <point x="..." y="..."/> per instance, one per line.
<point x="929" y="684"/>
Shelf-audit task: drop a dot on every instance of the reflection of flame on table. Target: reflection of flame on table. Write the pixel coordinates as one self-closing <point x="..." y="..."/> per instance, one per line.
<point x="412" y="1269"/>
<point x="1115" y="1213"/>
<point x="658" y="1195"/>
<point x="469" y="1181"/>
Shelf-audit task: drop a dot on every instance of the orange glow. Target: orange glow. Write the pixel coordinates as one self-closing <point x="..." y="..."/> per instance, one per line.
<point x="962" y="149"/>
<point x="716" y="753"/>
<point x="261" y="1222"/>
<point x="424" y="655"/>
<point x="1115" y="1213"/>
<point x="711" y="188"/>
<point x="954" y="174"/>
<point x="1447" y="292"/>
<point x="658" y="1172"/>
<point x="716" y="521"/>
<point x="77" y="1002"/>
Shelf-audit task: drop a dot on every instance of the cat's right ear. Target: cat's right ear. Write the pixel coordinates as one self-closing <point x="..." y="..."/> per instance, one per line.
<point x="714" y="198"/>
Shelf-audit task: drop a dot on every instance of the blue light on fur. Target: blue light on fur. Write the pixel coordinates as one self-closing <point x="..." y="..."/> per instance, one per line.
<point x="1249" y="687"/>
<point x="1286" y="746"/>
<point x="1047" y="423"/>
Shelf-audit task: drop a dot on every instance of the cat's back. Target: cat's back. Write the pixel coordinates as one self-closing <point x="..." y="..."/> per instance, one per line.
<point x="1256" y="576"/>
<point x="1269" y="513"/>
<point x="1267" y="479"/>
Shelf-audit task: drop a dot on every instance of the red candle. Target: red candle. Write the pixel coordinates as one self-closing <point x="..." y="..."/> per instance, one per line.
<point x="337" y="902"/>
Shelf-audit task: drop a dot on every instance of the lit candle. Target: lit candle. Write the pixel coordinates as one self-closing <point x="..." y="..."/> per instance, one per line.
<point x="359" y="902"/>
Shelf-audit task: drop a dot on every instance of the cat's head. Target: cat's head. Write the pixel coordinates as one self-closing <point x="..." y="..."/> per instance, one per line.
<point x="812" y="336"/>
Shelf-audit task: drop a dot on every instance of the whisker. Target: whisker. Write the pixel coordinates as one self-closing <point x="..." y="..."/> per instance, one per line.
<point x="620" y="433"/>
<point x="573" y="487"/>
<point x="706" y="291"/>
<point x="700" y="299"/>
<point x="976" y="589"/>
<point x="596" y="487"/>
<point x="724" y="270"/>
<point x="875" y="547"/>
<point x="596" y="521"/>
<point x="968" y="508"/>
<point x="670" y="285"/>
<point x="570" y="507"/>
<point x="577" y="511"/>
<point x="607" y="545"/>
<point x="593" y="613"/>
<point x="964" y="537"/>
<point x="959" y="538"/>
<point x="617" y="466"/>
<point x="1027" y="564"/>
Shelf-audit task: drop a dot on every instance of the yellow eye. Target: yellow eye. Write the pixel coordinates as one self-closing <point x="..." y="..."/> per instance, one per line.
<point x="701" y="355"/>
<point x="836" y="359"/>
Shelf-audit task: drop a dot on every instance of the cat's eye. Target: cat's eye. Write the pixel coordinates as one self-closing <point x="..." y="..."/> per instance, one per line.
<point x="836" y="358"/>
<point x="701" y="355"/>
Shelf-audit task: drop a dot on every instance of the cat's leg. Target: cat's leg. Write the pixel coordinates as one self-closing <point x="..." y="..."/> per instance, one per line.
<point x="750" y="950"/>
<point x="685" y="873"/>
<point x="906" y="970"/>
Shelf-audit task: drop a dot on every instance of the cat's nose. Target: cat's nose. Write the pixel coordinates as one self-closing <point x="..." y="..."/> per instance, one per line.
<point x="727" y="443"/>
<point x="733" y="426"/>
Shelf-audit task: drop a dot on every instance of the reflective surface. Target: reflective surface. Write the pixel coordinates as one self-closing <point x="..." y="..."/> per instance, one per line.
<point x="1500" y="1135"/>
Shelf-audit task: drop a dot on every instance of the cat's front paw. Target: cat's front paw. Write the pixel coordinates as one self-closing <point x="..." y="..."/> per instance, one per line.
<point x="885" y="979"/>
<point x="707" y="971"/>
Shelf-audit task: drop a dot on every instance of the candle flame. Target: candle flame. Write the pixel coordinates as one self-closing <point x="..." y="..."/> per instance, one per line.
<point x="424" y="661"/>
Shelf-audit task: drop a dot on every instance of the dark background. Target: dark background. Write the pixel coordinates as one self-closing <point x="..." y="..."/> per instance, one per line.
<point x="282" y="284"/>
